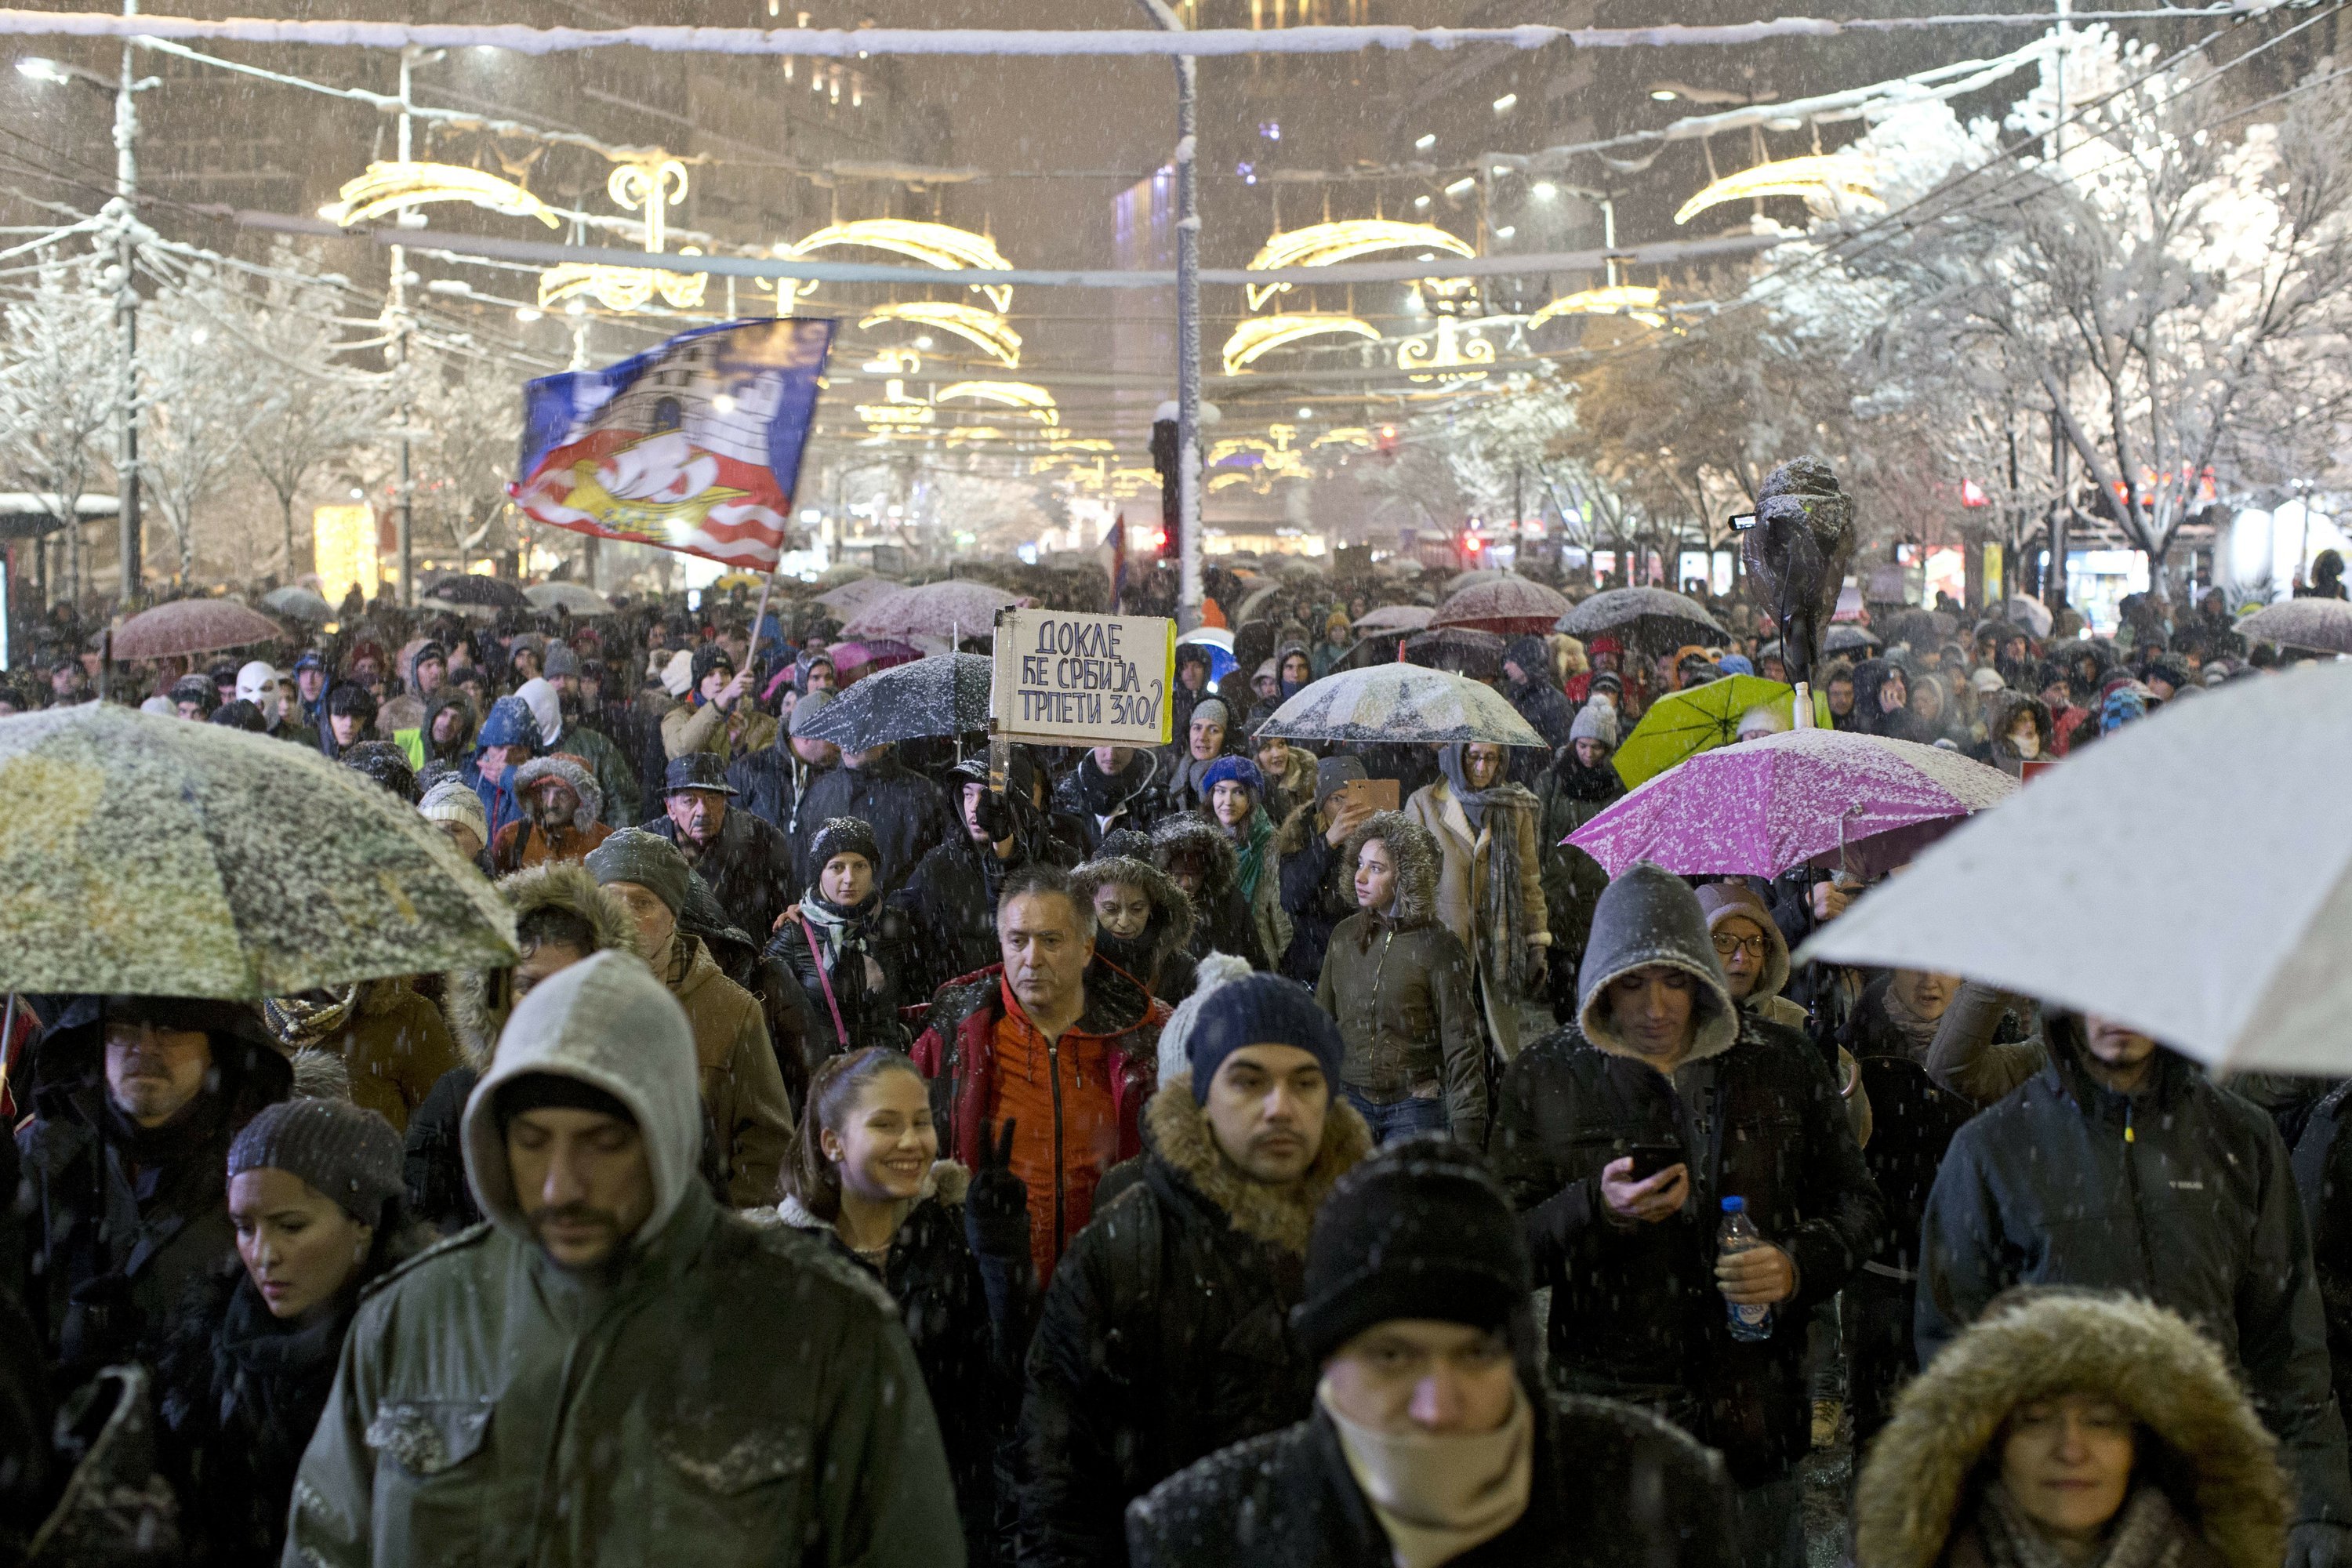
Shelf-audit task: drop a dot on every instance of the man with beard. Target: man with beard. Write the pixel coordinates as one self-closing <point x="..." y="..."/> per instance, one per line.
<point x="748" y="864"/>
<point x="135" y="1101"/>
<point x="559" y="800"/>
<point x="951" y="899"/>
<point x="613" y="1369"/>
<point x="614" y="782"/>
<point x="1112" y="788"/>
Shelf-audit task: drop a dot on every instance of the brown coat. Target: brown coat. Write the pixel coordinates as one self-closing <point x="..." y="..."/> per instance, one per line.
<point x="742" y="1085"/>
<point x="1463" y="860"/>
<point x="393" y="1042"/>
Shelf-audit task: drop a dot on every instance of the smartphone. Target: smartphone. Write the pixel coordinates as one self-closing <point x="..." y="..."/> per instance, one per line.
<point x="1371" y="794"/>
<point x="1741" y="521"/>
<point x="1649" y="1159"/>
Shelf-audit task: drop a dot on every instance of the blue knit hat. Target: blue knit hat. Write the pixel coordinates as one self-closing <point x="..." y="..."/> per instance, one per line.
<point x="1262" y="1010"/>
<point x="509" y="724"/>
<point x="1240" y="770"/>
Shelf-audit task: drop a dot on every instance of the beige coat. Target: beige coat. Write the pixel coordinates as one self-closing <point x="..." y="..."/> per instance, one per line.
<point x="742" y="1085"/>
<point x="1464" y="859"/>
<point x="704" y="728"/>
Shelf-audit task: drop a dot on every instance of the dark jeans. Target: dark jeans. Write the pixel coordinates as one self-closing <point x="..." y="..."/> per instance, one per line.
<point x="1400" y="1119"/>
<point x="1880" y="1354"/>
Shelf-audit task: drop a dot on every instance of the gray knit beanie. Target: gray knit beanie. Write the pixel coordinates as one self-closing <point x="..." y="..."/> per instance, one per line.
<point x="1595" y="721"/>
<point x="651" y="861"/>
<point x="806" y="710"/>
<point x="347" y="1153"/>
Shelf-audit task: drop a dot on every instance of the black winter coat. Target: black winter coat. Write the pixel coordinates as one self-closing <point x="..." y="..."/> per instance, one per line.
<point x="749" y="868"/>
<point x="433" y="1156"/>
<point x="1315" y="892"/>
<point x="1547" y="708"/>
<point x="1614" y="1487"/>
<point x="1635" y="1312"/>
<point x="950" y="903"/>
<point x="1096" y="805"/>
<point x="869" y="1013"/>
<point x="2182" y="1194"/>
<point x="769" y="783"/>
<point x="908" y="813"/>
<point x="2322" y="1175"/>
<point x="1166" y="1331"/>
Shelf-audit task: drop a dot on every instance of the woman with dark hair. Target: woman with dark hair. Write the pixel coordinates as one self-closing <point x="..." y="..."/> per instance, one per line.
<point x="315" y="1196"/>
<point x="843" y="946"/>
<point x="951" y="1245"/>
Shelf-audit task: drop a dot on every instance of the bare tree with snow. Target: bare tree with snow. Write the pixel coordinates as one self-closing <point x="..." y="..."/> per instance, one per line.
<point x="59" y="364"/>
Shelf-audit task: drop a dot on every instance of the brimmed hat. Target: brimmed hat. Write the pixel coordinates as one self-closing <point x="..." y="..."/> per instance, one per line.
<point x="697" y="770"/>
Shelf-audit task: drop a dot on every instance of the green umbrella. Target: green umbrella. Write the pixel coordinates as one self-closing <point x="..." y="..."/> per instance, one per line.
<point x="158" y="857"/>
<point x="1700" y="717"/>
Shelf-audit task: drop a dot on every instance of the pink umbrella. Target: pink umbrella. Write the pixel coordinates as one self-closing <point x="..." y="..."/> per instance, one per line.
<point x="851" y="659"/>
<point x="958" y="608"/>
<point x="192" y="626"/>
<point x="1507" y="606"/>
<point x="1762" y="806"/>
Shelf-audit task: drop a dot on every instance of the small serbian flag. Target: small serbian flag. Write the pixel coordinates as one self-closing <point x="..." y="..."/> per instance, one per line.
<point x="693" y="445"/>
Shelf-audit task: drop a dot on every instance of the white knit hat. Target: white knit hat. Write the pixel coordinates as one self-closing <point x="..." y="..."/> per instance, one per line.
<point x="677" y="676"/>
<point x="454" y="800"/>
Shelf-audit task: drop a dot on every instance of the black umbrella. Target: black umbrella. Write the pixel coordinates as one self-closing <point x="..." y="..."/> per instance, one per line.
<point x="1922" y="628"/>
<point x="1648" y="617"/>
<point x="943" y="695"/>
<point x="1846" y="637"/>
<point x="469" y="588"/>
<point x="1463" y="650"/>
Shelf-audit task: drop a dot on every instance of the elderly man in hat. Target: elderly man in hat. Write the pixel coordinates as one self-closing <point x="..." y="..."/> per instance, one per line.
<point x="717" y="714"/>
<point x="747" y="862"/>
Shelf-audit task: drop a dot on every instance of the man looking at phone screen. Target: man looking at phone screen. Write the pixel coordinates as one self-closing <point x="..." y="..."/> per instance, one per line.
<point x="1617" y="1139"/>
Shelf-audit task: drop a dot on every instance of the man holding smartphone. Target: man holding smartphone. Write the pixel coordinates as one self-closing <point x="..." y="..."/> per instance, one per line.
<point x="1617" y="1139"/>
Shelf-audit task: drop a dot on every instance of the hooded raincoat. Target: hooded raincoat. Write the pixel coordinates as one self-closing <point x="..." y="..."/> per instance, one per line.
<point x="1490" y="895"/>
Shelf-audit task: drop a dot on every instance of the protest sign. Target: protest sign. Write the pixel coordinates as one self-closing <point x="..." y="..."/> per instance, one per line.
<point x="1065" y="679"/>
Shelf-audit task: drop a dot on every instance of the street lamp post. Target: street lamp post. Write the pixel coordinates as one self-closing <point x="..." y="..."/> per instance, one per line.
<point x="126" y="315"/>
<point x="1188" y="322"/>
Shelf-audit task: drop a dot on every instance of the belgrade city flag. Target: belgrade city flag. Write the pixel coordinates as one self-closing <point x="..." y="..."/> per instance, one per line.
<point x="694" y="445"/>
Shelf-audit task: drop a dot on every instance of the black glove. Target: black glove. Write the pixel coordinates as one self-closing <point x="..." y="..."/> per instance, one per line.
<point x="996" y="1207"/>
<point x="994" y="814"/>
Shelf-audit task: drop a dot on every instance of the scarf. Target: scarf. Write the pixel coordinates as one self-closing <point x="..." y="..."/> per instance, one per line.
<point x="1254" y="853"/>
<point x="1587" y="786"/>
<point x="1917" y="1033"/>
<point x="1105" y="793"/>
<point x="1502" y="957"/>
<point x="838" y="931"/>
<point x="305" y="1020"/>
<point x="2146" y="1533"/>
<point x="1437" y="1497"/>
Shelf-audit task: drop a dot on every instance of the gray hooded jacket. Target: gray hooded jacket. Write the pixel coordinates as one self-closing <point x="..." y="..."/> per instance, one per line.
<point x="716" y="1394"/>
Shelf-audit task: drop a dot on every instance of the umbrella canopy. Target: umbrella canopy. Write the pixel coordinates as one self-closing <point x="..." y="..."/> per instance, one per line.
<point x="1508" y="605"/>
<point x="943" y="696"/>
<point x="152" y="855"/>
<point x="1400" y="702"/>
<point x="192" y="626"/>
<point x="1478" y="655"/>
<point x="2324" y="626"/>
<point x="573" y="598"/>
<point x="472" y="588"/>
<point x="958" y="608"/>
<point x="1847" y="639"/>
<point x="1649" y="617"/>
<point x="1760" y="808"/>
<point x="874" y="653"/>
<point x="2238" y="951"/>
<point x="848" y="598"/>
<point x="1461" y="580"/>
<point x="1394" y="619"/>
<point x="299" y="603"/>
<point x="2031" y="613"/>
<point x="1701" y="718"/>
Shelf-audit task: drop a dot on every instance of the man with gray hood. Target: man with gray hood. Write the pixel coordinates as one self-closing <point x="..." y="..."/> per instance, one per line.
<point x="1621" y="1137"/>
<point x="615" y="1370"/>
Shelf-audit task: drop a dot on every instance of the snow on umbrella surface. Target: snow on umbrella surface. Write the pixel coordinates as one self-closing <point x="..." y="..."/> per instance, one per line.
<point x="1507" y="605"/>
<point x="1400" y="702"/>
<point x="2236" y="948"/>
<point x="300" y="603"/>
<point x="2031" y="613"/>
<point x="1394" y="619"/>
<point x="1478" y="655"/>
<point x="958" y="608"/>
<point x="876" y="654"/>
<point x="2324" y="626"/>
<point x="192" y="626"/>
<point x="848" y="598"/>
<point x="943" y="696"/>
<point x="1760" y="808"/>
<point x="153" y="855"/>
<point x="1699" y="718"/>
<point x="473" y="588"/>
<point x="1652" y="616"/>
<point x="1461" y="580"/>
<point x="1847" y="639"/>
<point x="575" y="598"/>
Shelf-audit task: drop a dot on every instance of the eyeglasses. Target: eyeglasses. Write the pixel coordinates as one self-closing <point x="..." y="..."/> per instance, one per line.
<point x="1753" y="946"/>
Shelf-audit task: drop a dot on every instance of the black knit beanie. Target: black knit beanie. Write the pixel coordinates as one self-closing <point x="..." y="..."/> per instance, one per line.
<point x="346" y="1153"/>
<point x="1261" y="1010"/>
<point x="555" y="1092"/>
<point x="1418" y="1230"/>
<point x="843" y="835"/>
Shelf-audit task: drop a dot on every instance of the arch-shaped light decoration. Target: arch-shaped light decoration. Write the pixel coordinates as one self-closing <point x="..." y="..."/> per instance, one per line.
<point x="656" y="185"/>
<point x="1328" y="243"/>
<point x="1028" y="397"/>
<point x="897" y="410"/>
<point x="1355" y="436"/>
<point x="1261" y="335"/>
<point x="939" y="244"/>
<point x="1621" y="299"/>
<point x="389" y="187"/>
<point x="1824" y="178"/>
<point x="985" y="329"/>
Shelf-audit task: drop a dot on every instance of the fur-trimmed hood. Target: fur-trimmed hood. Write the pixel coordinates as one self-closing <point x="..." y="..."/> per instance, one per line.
<point x="1647" y="916"/>
<point x="1413" y="850"/>
<point x="1187" y="833"/>
<point x="1170" y="926"/>
<point x="2001" y="713"/>
<point x="1176" y="1132"/>
<point x="2218" y="1466"/>
<point x="476" y="1001"/>
<point x="576" y="776"/>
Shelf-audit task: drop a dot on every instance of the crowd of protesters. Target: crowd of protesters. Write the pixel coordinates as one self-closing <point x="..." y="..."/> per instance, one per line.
<point x="1173" y="1157"/>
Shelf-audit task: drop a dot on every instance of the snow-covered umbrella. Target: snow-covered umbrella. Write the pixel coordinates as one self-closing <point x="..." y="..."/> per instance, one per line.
<point x="848" y="598"/>
<point x="299" y="603"/>
<point x="943" y="696"/>
<point x="1400" y="702"/>
<point x="1478" y="655"/>
<point x="1765" y="805"/>
<point x="1507" y="605"/>
<point x="2031" y="613"/>
<point x="1848" y="639"/>
<point x="2235" y="946"/>
<point x="1646" y="617"/>
<point x="958" y="608"/>
<point x="1394" y="619"/>
<point x="2323" y="625"/>
<point x="573" y="598"/>
<point x="190" y="626"/>
<point x="476" y="588"/>
<point x="1472" y="578"/>
<point x="152" y="855"/>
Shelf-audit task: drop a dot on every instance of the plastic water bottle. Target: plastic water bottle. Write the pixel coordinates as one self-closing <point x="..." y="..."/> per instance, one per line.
<point x="1738" y="1233"/>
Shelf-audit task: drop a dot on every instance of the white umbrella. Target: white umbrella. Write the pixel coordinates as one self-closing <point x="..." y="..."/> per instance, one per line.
<point x="576" y="597"/>
<point x="1392" y="702"/>
<point x="2187" y="875"/>
<point x="2031" y="613"/>
<point x="1394" y="619"/>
